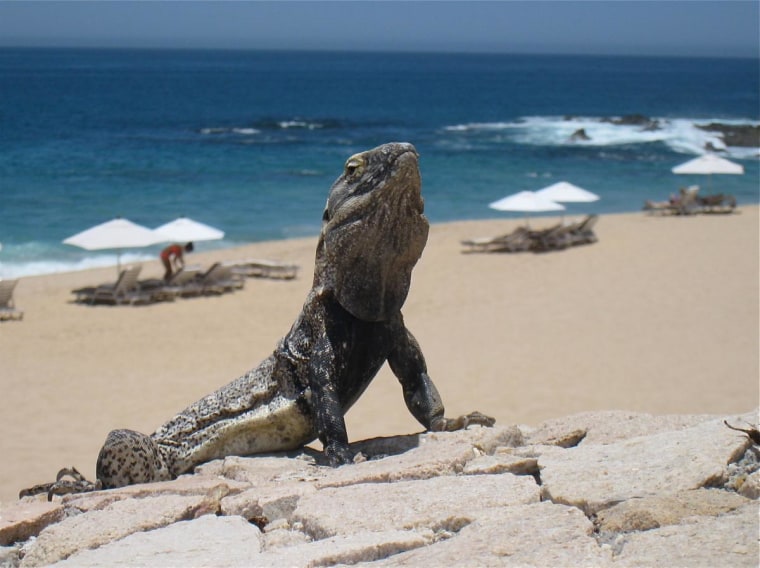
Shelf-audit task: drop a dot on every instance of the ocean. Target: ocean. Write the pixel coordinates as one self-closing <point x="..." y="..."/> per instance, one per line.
<point x="250" y="142"/>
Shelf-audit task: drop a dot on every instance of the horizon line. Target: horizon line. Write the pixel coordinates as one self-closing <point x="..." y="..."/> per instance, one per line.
<point x="419" y="51"/>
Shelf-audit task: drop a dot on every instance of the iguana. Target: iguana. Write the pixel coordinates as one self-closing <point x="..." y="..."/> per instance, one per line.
<point x="373" y="233"/>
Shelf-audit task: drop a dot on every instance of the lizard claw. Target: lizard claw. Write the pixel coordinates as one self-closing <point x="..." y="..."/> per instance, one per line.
<point x="442" y="424"/>
<point x="61" y="486"/>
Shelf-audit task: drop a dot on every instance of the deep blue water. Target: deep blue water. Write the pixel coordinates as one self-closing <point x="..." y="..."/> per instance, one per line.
<point x="250" y="142"/>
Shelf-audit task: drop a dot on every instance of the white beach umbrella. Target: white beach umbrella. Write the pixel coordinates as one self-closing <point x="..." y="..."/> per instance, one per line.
<point x="709" y="164"/>
<point x="114" y="234"/>
<point x="565" y="192"/>
<point x="184" y="229"/>
<point x="526" y="202"/>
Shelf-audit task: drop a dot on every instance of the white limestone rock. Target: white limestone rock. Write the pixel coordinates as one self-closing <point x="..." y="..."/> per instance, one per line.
<point x="726" y="540"/>
<point x="206" y="541"/>
<point x="26" y="518"/>
<point x="117" y="520"/>
<point x="538" y="534"/>
<point x="422" y="456"/>
<point x="595" y="476"/>
<point x="441" y="503"/>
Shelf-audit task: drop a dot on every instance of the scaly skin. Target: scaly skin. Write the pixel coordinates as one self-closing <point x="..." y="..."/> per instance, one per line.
<point x="373" y="233"/>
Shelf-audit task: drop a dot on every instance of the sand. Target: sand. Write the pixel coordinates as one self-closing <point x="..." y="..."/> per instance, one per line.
<point x="659" y="316"/>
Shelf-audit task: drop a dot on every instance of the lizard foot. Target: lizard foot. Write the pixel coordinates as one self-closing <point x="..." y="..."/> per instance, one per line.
<point x="442" y="424"/>
<point x="62" y="486"/>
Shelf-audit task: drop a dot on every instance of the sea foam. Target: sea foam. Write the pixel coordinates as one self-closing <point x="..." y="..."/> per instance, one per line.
<point x="681" y="135"/>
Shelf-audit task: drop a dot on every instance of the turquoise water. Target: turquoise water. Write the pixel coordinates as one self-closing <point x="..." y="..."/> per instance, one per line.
<point x="250" y="142"/>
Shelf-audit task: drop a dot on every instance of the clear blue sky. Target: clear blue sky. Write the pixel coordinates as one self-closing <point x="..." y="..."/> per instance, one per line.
<point x="688" y="28"/>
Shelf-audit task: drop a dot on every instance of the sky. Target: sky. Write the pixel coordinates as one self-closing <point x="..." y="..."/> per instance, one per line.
<point x="721" y="28"/>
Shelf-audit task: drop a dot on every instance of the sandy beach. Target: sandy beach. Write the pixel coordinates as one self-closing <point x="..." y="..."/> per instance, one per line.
<point x="659" y="316"/>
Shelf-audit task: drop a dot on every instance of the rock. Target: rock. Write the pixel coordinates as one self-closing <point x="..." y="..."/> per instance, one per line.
<point x="744" y="475"/>
<point x="283" y="537"/>
<point x="263" y="469"/>
<point x="751" y="486"/>
<point x="9" y="556"/>
<point x="579" y="135"/>
<point x="207" y="541"/>
<point x="502" y="463"/>
<point x="27" y="518"/>
<point x="267" y="503"/>
<point x="539" y="534"/>
<point x="430" y="455"/>
<point x="605" y="427"/>
<point x="213" y="489"/>
<point x="441" y="503"/>
<point x="659" y="511"/>
<point x="594" y="477"/>
<point x="99" y="527"/>
<point x="725" y="540"/>
<point x="343" y="550"/>
<point x="634" y="120"/>
<point x="738" y="135"/>
<point x="594" y="489"/>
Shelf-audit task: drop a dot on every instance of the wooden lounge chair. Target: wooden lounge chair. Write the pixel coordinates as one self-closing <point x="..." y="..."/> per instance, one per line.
<point x="717" y="203"/>
<point x="162" y="290"/>
<point x="218" y="279"/>
<point x="126" y="290"/>
<point x="687" y="203"/>
<point x="8" y="308"/>
<point x="260" y="268"/>
<point x="583" y="233"/>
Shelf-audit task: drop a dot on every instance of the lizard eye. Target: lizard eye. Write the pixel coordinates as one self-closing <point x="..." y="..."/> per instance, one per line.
<point x="354" y="165"/>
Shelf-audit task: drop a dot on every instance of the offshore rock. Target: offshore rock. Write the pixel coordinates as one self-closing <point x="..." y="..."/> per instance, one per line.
<point x="741" y="135"/>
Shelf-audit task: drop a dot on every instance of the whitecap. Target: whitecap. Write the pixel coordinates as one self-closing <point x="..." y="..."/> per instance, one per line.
<point x="246" y="131"/>
<point x="286" y="124"/>
<point x="681" y="135"/>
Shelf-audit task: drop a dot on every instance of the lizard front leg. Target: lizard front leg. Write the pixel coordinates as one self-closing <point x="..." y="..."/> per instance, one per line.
<point x="420" y="394"/>
<point x="325" y="402"/>
<point x="321" y="376"/>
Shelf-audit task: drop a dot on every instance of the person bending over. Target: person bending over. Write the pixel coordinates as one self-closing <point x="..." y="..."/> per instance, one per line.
<point x="173" y="258"/>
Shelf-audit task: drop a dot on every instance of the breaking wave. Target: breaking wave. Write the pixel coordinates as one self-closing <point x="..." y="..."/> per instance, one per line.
<point x="682" y="135"/>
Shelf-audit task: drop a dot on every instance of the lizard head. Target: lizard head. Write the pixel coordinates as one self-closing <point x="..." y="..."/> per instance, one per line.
<point x="373" y="232"/>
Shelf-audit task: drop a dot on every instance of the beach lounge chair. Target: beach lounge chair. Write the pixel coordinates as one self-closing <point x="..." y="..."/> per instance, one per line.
<point x="687" y="203"/>
<point x="8" y="308"/>
<point x="218" y="279"/>
<point x="717" y="203"/>
<point x="261" y="268"/>
<point x="583" y="232"/>
<point x="180" y="282"/>
<point x="126" y="290"/>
